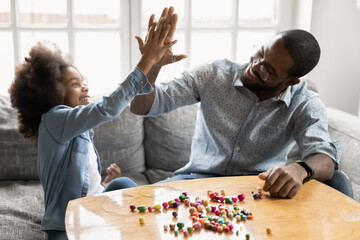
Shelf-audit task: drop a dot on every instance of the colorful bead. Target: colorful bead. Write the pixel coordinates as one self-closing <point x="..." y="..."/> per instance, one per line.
<point x="221" y="199"/>
<point x="186" y="233"/>
<point x="174" y="214"/>
<point x="247" y="236"/>
<point x="141" y="208"/>
<point x="259" y="190"/>
<point x="234" y="199"/>
<point x="165" y="204"/>
<point x="231" y="227"/>
<point x="150" y="209"/>
<point x="256" y="196"/>
<point x="180" y="225"/>
<point x="132" y="207"/>
<point x="268" y="230"/>
<point x="190" y="229"/>
<point x="187" y="202"/>
<point x="165" y="227"/>
<point x="174" y="204"/>
<point x="172" y="226"/>
<point x="200" y="208"/>
<point x="192" y="210"/>
<point x="182" y="197"/>
<point x="206" y="203"/>
<point x="176" y="232"/>
<point x="157" y="207"/>
<point x="177" y="200"/>
<point x="209" y="191"/>
<point x="241" y="197"/>
<point x="223" y="192"/>
<point x="142" y="220"/>
<point x="185" y="193"/>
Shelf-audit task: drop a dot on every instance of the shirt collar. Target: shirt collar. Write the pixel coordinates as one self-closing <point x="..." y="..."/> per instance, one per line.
<point x="284" y="96"/>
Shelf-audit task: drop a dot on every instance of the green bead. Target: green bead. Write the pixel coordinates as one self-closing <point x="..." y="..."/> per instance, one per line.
<point x="180" y="225"/>
<point x="182" y="197"/>
<point x="190" y="229"/>
<point x="141" y="208"/>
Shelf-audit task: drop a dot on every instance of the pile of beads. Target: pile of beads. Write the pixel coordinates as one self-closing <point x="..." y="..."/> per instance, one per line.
<point x="220" y="222"/>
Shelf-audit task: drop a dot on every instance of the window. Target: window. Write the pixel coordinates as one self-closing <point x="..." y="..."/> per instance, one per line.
<point x="99" y="35"/>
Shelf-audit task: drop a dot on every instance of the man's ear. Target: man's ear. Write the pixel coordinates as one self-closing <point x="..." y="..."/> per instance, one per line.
<point x="293" y="81"/>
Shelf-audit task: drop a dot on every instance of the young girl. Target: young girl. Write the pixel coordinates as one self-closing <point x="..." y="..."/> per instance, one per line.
<point x="53" y="106"/>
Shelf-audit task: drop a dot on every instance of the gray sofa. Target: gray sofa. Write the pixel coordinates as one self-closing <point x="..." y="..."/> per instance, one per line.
<point x="146" y="149"/>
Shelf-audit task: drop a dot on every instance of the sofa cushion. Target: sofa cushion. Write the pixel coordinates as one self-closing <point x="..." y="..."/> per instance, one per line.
<point x="120" y="141"/>
<point x="346" y="128"/>
<point x="17" y="155"/>
<point x="21" y="210"/>
<point x="168" y="138"/>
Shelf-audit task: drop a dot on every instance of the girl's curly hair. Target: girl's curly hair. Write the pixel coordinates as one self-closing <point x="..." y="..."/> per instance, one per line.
<point x="36" y="87"/>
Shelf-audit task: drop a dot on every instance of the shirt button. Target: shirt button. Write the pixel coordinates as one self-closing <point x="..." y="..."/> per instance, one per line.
<point x="83" y="195"/>
<point x="237" y="148"/>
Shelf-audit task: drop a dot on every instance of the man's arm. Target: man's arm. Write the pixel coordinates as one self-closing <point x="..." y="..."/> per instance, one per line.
<point x="286" y="181"/>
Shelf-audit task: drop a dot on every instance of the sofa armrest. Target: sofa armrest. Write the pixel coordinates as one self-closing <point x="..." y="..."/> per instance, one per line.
<point x="346" y="128"/>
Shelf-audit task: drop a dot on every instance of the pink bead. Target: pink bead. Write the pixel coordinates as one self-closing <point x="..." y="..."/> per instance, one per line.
<point x="217" y="212"/>
<point x="231" y="227"/>
<point x="165" y="204"/>
<point x="132" y="207"/>
<point x="150" y="209"/>
<point x="213" y="208"/>
<point x="234" y="199"/>
<point x="241" y="197"/>
<point x="185" y="194"/>
<point x="186" y="233"/>
<point x="177" y="200"/>
<point x="260" y="195"/>
<point x="221" y="199"/>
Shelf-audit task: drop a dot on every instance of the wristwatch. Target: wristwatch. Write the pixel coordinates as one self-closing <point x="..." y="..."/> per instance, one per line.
<point x="308" y="169"/>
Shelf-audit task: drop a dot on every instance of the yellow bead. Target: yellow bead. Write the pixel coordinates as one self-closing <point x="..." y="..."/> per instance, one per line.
<point x="141" y="220"/>
<point x="268" y="230"/>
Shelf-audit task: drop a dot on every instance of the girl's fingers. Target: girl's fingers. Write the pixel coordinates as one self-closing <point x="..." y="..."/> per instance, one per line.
<point x="140" y="42"/>
<point x="164" y="33"/>
<point x="159" y="28"/>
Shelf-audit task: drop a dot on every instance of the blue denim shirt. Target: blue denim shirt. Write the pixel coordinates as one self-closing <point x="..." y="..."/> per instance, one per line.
<point x="63" y="146"/>
<point x="235" y="132"/>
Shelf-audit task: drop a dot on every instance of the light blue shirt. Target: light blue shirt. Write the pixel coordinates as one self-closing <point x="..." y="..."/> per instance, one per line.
<point x="235" y="133"/>
<point x="65" y="135"/>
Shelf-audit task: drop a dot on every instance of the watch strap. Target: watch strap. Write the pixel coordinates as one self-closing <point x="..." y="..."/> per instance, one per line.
<point x="308" y="169"/>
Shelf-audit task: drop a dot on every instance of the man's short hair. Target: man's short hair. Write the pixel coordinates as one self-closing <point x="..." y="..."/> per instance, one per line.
<point x="303" y="48"/>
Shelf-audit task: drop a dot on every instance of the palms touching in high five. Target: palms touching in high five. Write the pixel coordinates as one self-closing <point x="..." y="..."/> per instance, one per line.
<point x="170" y="18"/>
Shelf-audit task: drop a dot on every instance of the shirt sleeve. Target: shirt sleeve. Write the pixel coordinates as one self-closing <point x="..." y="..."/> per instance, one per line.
<point x="182" y="91"/>
<point x="311" y="131"/>
<point x="64" y="123"/>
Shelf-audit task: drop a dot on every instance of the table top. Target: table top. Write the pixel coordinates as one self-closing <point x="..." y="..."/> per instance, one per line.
<point x="316" y="212"/>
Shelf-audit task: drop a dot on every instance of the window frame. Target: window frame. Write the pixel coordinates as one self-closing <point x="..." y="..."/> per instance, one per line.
<point x="131" y="25"/>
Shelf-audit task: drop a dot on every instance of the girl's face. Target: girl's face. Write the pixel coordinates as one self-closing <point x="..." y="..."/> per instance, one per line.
<point x="75" y="87"/>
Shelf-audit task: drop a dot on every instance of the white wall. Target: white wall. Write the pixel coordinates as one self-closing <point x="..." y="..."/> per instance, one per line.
<point x="336" y="25"/>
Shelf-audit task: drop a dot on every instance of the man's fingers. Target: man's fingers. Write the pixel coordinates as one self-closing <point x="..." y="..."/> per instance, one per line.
<point x="180" y="57"/>
<point x="151" y="20"/>
<point x="173" y="23"/>
<point x="270" y="180"/>
<point x="164" y="12"/>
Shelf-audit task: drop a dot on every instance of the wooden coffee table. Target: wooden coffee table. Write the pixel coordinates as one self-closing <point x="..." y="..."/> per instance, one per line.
<point x="317" y="212"/>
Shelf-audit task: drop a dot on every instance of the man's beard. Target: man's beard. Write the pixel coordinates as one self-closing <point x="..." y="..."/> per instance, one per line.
<point x="258" y="85"/>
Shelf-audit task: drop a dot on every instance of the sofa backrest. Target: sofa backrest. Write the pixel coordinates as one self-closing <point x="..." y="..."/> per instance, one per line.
<point x="119" y="141"/>
<point x="168" y="138"/>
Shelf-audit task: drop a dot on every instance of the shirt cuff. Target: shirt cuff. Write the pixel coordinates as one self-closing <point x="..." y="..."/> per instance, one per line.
<point x="142" y="79"/>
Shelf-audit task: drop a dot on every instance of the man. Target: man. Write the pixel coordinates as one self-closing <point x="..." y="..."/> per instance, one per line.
<point x="251" y="115"/>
